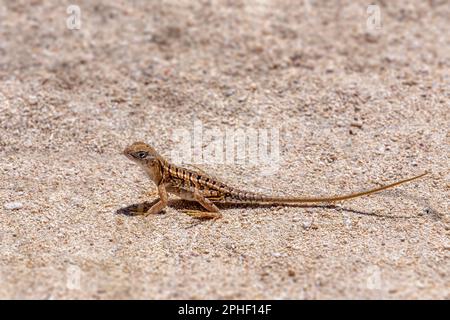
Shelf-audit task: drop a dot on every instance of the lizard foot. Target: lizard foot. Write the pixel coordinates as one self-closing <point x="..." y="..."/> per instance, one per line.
<point x="203" y="214"/>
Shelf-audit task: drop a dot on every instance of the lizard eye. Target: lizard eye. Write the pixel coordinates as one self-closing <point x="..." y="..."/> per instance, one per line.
<point x="142" y="154"/>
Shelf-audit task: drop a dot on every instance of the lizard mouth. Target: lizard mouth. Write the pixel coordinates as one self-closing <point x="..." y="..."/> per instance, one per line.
<point x="127" y="154"/>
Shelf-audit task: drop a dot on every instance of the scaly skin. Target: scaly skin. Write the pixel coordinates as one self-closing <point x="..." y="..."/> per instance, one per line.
<point x="196" y="186"/>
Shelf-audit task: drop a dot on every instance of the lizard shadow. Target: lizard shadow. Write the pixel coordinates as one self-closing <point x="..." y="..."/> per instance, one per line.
<point x="306" y="206"/>
<point x="139" y="208"/>
<point x="428" y="207"/>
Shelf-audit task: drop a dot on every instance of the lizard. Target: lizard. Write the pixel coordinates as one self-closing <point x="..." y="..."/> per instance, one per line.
<point x="198" y="186"/>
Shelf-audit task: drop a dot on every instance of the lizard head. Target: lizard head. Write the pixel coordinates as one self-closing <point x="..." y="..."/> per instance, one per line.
<point x="148" y="159"/>
<point x="141" y="153"/>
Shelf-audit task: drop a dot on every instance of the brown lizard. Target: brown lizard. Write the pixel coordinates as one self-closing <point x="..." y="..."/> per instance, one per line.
<point x="198" y="186"/>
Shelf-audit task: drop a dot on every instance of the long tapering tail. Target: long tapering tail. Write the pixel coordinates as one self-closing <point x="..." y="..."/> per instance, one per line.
<point x="271" y="199"/>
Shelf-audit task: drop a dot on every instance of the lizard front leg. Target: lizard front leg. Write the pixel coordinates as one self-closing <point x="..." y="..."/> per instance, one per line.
<point x="162" y="203"/>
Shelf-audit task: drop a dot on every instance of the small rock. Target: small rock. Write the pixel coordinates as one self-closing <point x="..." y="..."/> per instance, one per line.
<point x="347" y="222"/>
<point x="307" y="224"/>
<point x="32" y="100"/>
<point x="420" y="284"/>
<point x="242" y="99"/>
<point x="13" y="205"/>
<point x="276" y="254"/>
<point x="229" y="93"/>
<point x="356" y="125"/>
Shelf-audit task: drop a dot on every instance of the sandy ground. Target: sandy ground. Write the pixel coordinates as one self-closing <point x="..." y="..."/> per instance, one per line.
<point x="354" y="107"/>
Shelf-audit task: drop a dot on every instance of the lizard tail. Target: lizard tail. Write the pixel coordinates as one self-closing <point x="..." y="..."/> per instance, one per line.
<point x="271" y="199"/>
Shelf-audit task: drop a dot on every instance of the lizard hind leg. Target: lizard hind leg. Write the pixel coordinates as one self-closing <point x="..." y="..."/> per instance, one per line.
<point x="212" y="213"/>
